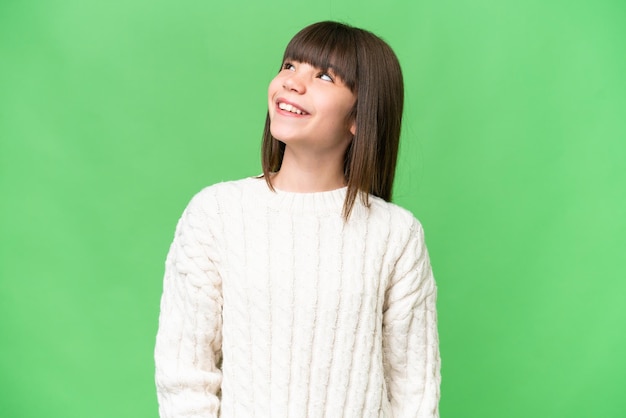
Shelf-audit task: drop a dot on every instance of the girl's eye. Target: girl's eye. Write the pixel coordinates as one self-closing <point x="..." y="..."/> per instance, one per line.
<point x="326" y="77"/>
<point x="288" y="66"/>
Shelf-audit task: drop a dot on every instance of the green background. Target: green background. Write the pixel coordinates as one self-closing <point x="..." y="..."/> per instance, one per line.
<point x="114" y="113"/>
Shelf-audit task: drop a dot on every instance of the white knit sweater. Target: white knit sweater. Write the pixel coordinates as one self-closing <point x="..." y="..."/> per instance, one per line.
<point x="272" y="306"/>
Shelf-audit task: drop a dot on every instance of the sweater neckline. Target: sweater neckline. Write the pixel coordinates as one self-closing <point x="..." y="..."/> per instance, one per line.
<point x="326" y="202"/>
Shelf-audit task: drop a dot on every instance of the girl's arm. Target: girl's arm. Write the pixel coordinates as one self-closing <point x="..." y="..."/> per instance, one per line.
<point x="188" y="344"/>
<point x="410" y="339"/>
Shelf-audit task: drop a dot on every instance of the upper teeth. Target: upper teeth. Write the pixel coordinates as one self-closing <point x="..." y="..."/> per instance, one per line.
<point x="289" y="108"/>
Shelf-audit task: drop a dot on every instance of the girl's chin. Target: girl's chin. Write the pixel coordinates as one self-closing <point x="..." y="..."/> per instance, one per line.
<point x="286" y="135"/>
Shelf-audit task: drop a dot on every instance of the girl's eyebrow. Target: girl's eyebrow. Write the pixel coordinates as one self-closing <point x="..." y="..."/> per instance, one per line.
<point x="330" y="67"/>
<point x="331" y="70"/>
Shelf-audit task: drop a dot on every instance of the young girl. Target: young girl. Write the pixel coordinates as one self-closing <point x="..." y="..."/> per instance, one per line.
<point x="304" y="292"/>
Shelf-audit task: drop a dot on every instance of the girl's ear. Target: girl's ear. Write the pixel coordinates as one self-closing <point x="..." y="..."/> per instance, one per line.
<point x="353" y="127"/>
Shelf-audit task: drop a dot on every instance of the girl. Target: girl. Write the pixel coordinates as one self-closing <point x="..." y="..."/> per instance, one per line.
<point x="304" y="292"/>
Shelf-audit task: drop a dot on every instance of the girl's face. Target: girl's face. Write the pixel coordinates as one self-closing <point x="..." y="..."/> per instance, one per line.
<point x="310" y="107"/>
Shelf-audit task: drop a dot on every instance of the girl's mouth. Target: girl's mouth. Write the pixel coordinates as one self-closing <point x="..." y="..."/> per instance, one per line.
<point x="288" y="107"/>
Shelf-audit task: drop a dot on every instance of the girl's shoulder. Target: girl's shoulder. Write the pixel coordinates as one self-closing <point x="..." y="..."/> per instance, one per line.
<point x="392" y="213"/>
<point x="393" y="221"/>
<point x="221" y="197"/>
<point x="230" y="186"/>
<point x="229" y="190"/>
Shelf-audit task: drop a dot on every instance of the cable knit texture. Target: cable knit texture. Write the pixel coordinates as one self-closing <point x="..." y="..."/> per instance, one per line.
<point x="273" y="306"/>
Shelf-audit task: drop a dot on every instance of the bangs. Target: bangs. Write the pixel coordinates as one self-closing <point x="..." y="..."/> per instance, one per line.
<point x="329" y="46"/>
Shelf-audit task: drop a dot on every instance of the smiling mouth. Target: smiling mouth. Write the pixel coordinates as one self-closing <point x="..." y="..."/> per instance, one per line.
<point x="290" y="108"/>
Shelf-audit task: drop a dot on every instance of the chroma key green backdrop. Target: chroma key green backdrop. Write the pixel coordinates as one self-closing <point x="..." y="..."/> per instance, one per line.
<point x="114" y="113"/>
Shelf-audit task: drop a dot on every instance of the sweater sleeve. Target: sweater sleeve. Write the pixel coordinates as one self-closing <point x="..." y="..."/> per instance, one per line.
<point x="410" y="339"/>
<point x="188" y="343"/>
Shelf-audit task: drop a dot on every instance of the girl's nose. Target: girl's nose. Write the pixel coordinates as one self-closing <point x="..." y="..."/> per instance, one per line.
<point x="295" y="83"/>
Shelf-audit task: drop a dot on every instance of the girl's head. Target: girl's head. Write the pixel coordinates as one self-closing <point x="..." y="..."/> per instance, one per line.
<point x="367" y="66"/>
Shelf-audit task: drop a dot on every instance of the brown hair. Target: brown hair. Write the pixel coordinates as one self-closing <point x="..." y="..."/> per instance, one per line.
<point x="370" y="69"/>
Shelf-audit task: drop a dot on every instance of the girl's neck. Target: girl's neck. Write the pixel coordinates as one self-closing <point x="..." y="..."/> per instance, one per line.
<point x="309" y="174"/>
